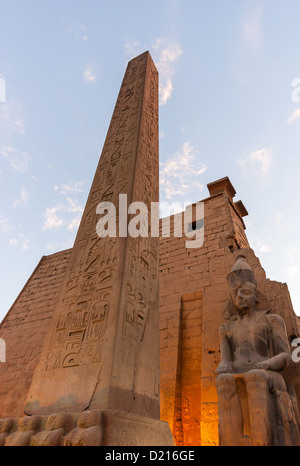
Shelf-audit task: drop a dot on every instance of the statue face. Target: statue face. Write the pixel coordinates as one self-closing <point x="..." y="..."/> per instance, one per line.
<point x="245" y="298"/>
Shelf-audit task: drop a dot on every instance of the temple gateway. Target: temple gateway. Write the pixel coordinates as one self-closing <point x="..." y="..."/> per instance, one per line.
<point x="148" y="338"/>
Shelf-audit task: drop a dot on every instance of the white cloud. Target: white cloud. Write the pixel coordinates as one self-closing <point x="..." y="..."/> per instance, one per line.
<point x="262" y="246"/>
<point x="23" y="197"/>
<point x="21" y="241"/>
<point x="257" y="162"/>
<point x="18" y="160"/>
<point x="74" y="224"/>
<point x="178" y="175"/>
<point x="252" y="28"/>
<point x="4" y="226"/>
<point x="59" y="215"/>
<point x="13" y="241"/>
<point x="292" y="271"/>
<point x="51" y="247"/>
<point x="89" y="75"/>
<point x="25" y="244"/>
<point x="166" y="54"/>
<point x="11" y="119"/>
<point x="71" y="187"/>
<point x="294" y="116"/>
<point x="165" y="91"/>
<point x="52" y="219"/>
<point x="83" y="30"/>
<point x="133" y="48"/>
<point x="78" y="31"/>
<point x="68" y="212"/>
<point x="292" y="253"/>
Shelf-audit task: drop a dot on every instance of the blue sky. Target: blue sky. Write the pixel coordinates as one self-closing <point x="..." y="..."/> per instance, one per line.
<point x="229" y="106"/>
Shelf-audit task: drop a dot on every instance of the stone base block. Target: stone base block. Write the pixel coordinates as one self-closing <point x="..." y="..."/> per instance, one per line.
<point x="88" y="428"/>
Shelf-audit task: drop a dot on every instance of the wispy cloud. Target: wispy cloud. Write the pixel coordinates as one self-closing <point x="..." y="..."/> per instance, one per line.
<point x="292" y="253"/>
<point x="262" y="246"/>
<point x="23" y="197"/>
<point x="12" y="123"/>
<point x="52" y="219"/>
<point x="13" y="241"/>
<point x="249" y="42"/>
<point x="68" y="212"/>
<point x="84" y="33"/>
<point x="11" y="119"/>
<point x="77" y="31"/>
<point x="166" y="54"/>
<point x="25" y="244"/>
<point x="71" y="187"/>
<point x="89" y="75"/>
<point x="179" y="174"/>
<point x="294" y="116"/>
<point x="257" y="162"/>
<point x="74" y="224"/>
<point x="252" y="28"/>
<point x="5" y="226"/>
<point x="133" y="48"/>
<point x="18" y="160"/>
<point x="21" y="241"/>
<point x="292" y="271"/>
<point x="63" y="214"/>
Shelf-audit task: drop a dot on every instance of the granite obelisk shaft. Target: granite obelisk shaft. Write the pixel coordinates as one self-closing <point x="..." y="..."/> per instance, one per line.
<point x="102" y="351"/>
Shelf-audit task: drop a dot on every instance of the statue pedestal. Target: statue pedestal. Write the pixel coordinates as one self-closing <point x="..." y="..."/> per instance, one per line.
<point x="125" y="429"/>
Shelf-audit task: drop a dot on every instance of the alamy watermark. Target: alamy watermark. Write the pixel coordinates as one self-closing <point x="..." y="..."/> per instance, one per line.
<point x="2" y="89"/>
<point x="296" y="91"/>
<point x="296" y="352"/>
<point x="2" y="350"/>
<point x="136" y="220"/>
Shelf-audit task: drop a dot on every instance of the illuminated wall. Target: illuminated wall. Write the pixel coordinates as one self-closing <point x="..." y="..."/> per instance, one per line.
<point x="193" y="297"/>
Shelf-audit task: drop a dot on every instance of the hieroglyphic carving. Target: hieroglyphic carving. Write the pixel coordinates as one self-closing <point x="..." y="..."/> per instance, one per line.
<point x="104" y="301"/>
<point x="74" y="336"/>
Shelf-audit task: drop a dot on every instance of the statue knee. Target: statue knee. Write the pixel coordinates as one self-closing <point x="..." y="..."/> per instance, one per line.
<point x="257" y="378"/>
<point x="226" y="386"/>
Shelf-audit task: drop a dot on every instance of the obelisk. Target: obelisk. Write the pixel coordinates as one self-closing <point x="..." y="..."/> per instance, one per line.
<point x="102" y="351"/>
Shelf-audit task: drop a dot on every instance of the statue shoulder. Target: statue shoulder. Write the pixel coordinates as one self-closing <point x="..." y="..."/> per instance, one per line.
<point x="224" y="328"/>
<point x="276" y="321"/>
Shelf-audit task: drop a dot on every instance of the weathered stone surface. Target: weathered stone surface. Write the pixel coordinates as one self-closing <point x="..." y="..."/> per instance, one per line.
<point x="89" y="428"/>
<point x="122" y="428"/>
<point x="256" y="405"/>
<point x="27" y="428"/>
<point x="24" y="328"/>
<point x="55" y="429"/>
<point x="204" y="270"/>
<point x="190" y="349"/>
<point x="102" y="348"/>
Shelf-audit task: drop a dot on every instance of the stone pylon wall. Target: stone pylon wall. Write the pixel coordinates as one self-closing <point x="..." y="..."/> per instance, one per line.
<point x="193" y="297"/>
<point x="24" y="329"/>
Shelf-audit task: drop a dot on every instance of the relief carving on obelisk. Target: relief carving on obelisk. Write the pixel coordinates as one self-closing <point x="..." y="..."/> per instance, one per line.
<point x="103" y="348"/>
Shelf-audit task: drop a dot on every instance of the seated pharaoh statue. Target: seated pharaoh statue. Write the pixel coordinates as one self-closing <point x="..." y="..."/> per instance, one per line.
<point x="257" y="407"/>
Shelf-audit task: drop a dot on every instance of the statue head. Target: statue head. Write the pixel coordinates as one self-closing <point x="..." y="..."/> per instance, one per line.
<point x="244" y="293"/>
<point x="245" y="298"/>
